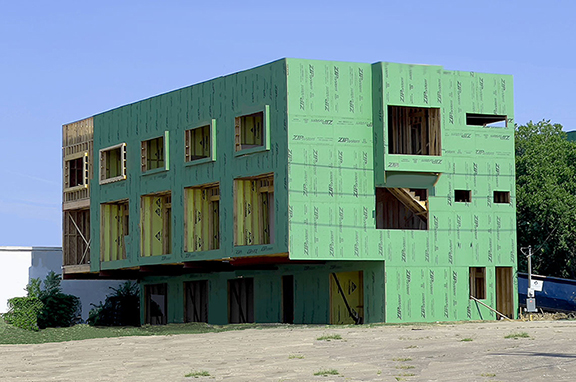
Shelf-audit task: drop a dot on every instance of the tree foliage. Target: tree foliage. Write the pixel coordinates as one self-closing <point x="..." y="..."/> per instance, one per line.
<point x="121" y="308"/>
<point x="546" y="198"/>
<point x="60" y="309"/>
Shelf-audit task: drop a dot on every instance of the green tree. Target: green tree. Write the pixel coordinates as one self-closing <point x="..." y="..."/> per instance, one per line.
<point x="546" y="198"/>
<point x="59" y="310"/>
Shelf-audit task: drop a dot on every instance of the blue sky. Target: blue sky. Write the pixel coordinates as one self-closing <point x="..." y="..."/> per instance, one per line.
<point x="61" y="61"/>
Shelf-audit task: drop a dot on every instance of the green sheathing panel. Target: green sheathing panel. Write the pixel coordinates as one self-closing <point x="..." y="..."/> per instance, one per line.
<point x="337" y="156"/>
<point x="311" y="292"/>
<point x="170" y="115"/>
<point x="331" y="180"/>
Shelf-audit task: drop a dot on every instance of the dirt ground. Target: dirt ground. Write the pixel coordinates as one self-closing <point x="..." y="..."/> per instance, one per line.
<point x="439" y="352"/>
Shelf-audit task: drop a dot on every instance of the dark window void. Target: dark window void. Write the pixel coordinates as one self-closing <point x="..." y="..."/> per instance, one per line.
<point x="462" y="196"/>
<point x="414" y="130"/>
<point x="288" y="299"/>
<point x="196" y="301"/>
<point x="249" y="131"/>
<point x="76" y="172"/>
<point x="402" y="208"/>
<point x="478" y="282"/>
<point x="156" y="304"/>
<point x="502" y="197"/>
<point x="486" y="120"/>
<point x="198" y="143"/>
<point x="241" y="300"/>
<point x="153" y="154"/>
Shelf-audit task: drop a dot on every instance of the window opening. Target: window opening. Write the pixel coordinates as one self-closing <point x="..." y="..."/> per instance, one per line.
<point x="502" y="197"/>
<point x="462" y="196"/>
<point x="288" y="299"/>
<point x="196" y="301"/>
<point x="402" y="208"/>
<point x="202" y="218"/>
<point x="114" y="228"/>
<point x="156" y="225"/>
<point x="486" y="120"/>
<point x="478" y="282"/>
<point x="254" y="210"/>
<point x="241" y="300"/>
<point x="198" y="143"/>
<point x="156" y="304"/>
<point x="76" y="240"/>
<point x="249" y="131"/>
<point x="113" y="164"/>
<point x="76" y="172"/>
<point x="153" y="154"/>
<point x="414" y="130"/>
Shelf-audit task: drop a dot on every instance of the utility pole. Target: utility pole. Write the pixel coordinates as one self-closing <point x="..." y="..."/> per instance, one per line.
<point x="530" y="299"/>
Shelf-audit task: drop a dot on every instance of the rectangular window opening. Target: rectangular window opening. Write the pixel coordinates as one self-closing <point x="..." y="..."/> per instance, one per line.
<point x="76" y="237"/>
<point x="202" y="218"/>
<point x="156" y="302"/>
<point x="414" y="130"/>
<point x="478" y="282"/>
<point x="198" y="143"/>
<point x="254" y="210"/>
<point x="113" y="164"/>
<point x="156" y="224"/>
<point x="249" y="131"/>
<point x="502" y="197"/>
<point x="486" y="120"/>
<point x="153" y="154"/>
<point x="462" y="196"/>
<point x="241" y="300"/>
<point x="402" y="208"/>
<point x="196" y="301"/>
<point x="114" y="229"/>
<point x="288" y="299"/>
<point x="76" y="172"/>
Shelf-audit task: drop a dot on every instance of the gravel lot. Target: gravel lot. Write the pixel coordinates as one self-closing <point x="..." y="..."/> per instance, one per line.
<point x="478" y="351"/>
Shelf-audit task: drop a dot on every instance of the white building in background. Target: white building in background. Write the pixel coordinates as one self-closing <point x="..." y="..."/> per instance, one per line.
<point x="20" y="264"/>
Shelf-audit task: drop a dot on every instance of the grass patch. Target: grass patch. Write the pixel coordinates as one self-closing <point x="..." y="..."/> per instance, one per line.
<point x="407" y="374"/>
<point x="518" y="335"/>
<point x="11" y="335"/>
<point x="411" y="347"/>
<point x="467" y="339"/>
<point x="327" y="372"/>
<point x="329" y="337"/>
<point x="487" y="375"/>
<point x="405" y="367"/>
<point x="295" y="356"/>
<point x="196" y="374"/>
<point x="401" y="359"/>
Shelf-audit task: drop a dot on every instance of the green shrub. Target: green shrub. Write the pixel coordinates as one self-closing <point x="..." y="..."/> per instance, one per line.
<point x="121" y="308"/>
<point x="59" y="310"/>
<point x="23" y="312"/>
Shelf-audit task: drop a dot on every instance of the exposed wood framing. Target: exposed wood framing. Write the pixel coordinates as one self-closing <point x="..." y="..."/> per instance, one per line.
<point x="254" y="210"/>
<point x="401" y="208"/>
<point x="77" y="141"/>
<point x="249" y="131"/>
<point x="114" y="227"/>
<point x="202" y="222"/>
<point x="196" y="301"/>
<point x="414" y="130"/>
<point x="113" y="163"/>
<point x="198" y="143"/>
<point x="156" y="224"/>
<point x="76" y="237"/>
<point x="505" y="290"/>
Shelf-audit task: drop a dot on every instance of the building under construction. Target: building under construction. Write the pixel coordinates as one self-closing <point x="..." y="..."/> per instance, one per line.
<point x="302" y="191"/>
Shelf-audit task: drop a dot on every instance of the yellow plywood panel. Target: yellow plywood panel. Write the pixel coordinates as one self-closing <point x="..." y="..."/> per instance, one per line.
<point x="346" y="297"/>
